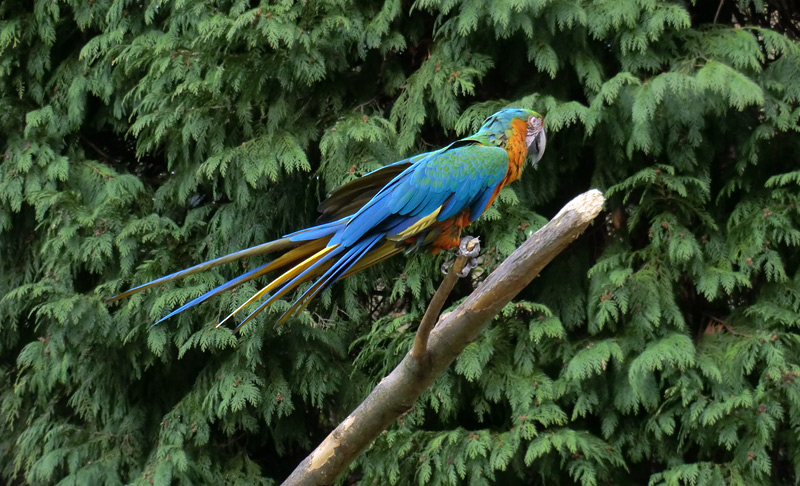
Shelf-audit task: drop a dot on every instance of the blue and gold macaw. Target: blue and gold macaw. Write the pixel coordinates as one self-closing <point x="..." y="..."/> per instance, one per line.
<point x="425" y="200"/>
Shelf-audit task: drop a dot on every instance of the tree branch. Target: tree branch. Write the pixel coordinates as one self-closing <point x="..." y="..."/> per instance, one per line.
<point x="420" y="348"/>
<point x="396" y="393"/>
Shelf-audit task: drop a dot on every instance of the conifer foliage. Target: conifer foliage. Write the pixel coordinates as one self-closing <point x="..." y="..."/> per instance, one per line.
<point x="137" y="138"/>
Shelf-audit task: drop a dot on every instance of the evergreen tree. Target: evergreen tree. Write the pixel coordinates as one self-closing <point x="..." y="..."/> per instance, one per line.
<point x="138" y="138"/>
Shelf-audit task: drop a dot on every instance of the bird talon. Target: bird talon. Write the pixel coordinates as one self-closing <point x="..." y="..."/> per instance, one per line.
<point x="470" y="247"/>
<point x="445" y="268"/>
<point x="471" y="263"/>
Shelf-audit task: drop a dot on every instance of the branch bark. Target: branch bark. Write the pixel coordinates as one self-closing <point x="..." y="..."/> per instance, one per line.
<point x="396" y="393"/>
<point x="420" y="349"/>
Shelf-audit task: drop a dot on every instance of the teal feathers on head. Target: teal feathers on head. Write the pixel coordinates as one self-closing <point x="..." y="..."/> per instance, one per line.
<point x="498" y="126"/>
<point x="505" y="116"/>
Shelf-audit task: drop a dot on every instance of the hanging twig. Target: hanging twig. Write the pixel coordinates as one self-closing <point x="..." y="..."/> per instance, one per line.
<point x="719" y="9"/>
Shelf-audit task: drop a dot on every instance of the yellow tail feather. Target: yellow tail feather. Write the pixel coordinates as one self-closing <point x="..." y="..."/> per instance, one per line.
<point x="285" y="277"/>
<point x="295" y="255"/>
<point x="289" y="257"/>
<point x="387" y="250"/>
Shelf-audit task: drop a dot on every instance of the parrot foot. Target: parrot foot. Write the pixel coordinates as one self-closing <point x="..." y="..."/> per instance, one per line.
<point x="471" y="263"/>
<point x="470" y="248"/>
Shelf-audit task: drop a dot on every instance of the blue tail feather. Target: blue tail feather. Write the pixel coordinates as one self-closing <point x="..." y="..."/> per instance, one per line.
<point x="237" y="255"/>
<point x="295" y="281"/>
<point x="318" y="231"/>
<point x="353" y="255"/>
<point x="216" y="290"/>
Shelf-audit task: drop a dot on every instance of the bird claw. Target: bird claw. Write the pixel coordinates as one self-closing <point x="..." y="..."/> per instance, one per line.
<point x="470" y="247"/>
<point x="471" y="263"/>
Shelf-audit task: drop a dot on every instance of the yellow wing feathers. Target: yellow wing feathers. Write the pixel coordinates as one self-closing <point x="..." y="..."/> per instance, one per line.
<point x="417" y="227"/>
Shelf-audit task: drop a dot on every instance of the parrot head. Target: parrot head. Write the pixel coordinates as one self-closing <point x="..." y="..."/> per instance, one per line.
<point x="502" y="125"/>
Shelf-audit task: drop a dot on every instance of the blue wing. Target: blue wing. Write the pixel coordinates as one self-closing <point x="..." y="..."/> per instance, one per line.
<point x="446" y="182"/>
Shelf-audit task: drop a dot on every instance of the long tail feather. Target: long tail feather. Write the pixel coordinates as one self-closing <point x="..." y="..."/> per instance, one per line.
<point x="217" y="290"/>
<point x="306" y="275"/>
<point x="283" y="260"/>
<point x="318" y="231"/>
<point x="291" y="276"/>
<point x="344" y="263"/>
<point x="271" y="246"/>
<point x="386" y="251"/>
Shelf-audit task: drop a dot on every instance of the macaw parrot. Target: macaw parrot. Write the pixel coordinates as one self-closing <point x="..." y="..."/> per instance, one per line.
<point x="425" y="200"/>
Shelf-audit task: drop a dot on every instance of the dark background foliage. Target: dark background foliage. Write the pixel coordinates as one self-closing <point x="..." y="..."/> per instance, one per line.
<point x="138" y="138"/>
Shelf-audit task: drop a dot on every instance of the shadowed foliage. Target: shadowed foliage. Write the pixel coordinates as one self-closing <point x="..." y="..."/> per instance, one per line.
<point x="139" y="138"/>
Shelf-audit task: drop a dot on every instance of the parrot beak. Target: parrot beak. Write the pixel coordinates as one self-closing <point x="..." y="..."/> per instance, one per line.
<point x="536" y="148"/>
